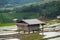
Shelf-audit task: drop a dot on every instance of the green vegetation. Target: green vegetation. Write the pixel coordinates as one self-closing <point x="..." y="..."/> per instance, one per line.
<point x="35" y="36"/>
<point x="14" y="3"/>
<point x="48" y="10"/>
<point x="7" y="24"/>
<point x="55" y="21"/>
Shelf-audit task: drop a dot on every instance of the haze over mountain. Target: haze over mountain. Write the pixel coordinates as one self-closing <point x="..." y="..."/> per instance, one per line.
<point x="13" y="3"/>
<point x="4" y="3"/>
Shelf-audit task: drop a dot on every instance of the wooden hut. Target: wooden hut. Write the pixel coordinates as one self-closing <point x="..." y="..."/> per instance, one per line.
<point x="29" y="25"/>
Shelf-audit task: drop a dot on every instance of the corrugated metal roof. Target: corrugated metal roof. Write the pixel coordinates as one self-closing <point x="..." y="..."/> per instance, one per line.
<point x="33" y="21"/>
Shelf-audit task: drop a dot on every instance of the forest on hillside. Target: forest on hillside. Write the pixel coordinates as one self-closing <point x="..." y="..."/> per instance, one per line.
<point x="48" y="10"/>
<point x="13" y="3"/>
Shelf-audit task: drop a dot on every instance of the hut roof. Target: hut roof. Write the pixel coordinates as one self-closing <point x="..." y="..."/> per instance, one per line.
<point x="33" y="21"/>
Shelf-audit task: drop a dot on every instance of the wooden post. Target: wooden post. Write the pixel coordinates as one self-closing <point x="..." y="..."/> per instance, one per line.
<point x="29" y="31"/>
<point x="38" y="30"/>
<point x="18" y="31"/>
<point x="42" y="29"/>
<point x="33" y="31"/>
<point x="24" y="32"/>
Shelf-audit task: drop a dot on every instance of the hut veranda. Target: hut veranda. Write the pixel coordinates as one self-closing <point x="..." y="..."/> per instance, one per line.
<point x="28" y="25"/>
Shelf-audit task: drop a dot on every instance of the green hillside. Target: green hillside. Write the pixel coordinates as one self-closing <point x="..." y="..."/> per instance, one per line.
<point x="47" y="10"/>
<point x="13" y="3"/>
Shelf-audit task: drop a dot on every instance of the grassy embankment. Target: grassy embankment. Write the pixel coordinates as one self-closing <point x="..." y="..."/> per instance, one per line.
<point x="54" y="21"/>
<point x="50" y="22"/>
<point x="7" y="24"/>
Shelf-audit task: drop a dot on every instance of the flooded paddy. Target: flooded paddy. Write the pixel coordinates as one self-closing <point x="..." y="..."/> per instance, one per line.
<point x="9" y="39"/>
<point x="55" y="38"/>
<point x="51" y="35"/>
<point x="11" y="35"/>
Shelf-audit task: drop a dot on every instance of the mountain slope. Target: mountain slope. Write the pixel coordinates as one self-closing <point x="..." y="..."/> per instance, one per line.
<point x="13" y="3"/>
<point x="4" y="3"/>
<point x="47" y="10"/>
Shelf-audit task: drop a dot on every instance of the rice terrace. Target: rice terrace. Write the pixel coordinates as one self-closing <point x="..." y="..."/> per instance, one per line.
<point x="29" y="19"/>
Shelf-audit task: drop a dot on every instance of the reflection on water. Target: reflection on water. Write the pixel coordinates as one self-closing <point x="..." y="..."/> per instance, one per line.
<point x="7" y="32"/>
<point x="19" y="39"/>
<point x="55" y="39"/>
<point x="50" y="34"/>
<point x="47" y="35"/>
<point x="13" y="39"/>
<point x="9" y="39"/>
